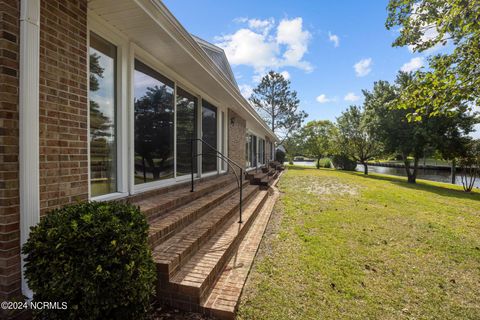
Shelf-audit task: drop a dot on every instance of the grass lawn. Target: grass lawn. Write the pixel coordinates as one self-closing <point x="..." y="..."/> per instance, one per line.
<point x="346" y="246"/>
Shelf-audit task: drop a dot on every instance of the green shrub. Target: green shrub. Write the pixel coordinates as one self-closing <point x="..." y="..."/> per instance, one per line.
<point x="280" y="156"/>
<point x="327" y="163"/>
<point x="343" y="162"/>
<point x="95" y="257"/>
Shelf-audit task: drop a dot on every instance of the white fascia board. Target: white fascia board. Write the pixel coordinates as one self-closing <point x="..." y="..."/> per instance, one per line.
<point x="191" y="46"/>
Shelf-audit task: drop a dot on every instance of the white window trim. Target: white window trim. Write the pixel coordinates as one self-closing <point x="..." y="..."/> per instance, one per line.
<point x="127" y="52"/>
<point x="105" y="31"/>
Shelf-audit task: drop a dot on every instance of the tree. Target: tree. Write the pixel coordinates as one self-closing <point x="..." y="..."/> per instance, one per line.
<point x="317" y="138"/>
<point x="356" y="138"/>
<point x="454" y="78"/>
<point x="294" y="145"/>
<point x="470" y="165"/>
<point x="411" y="138"/>
<point x="278" y="105"/>
<point x="397" y="134"/>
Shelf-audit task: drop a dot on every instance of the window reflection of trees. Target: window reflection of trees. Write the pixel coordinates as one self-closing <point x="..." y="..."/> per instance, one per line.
<point x="154" y="134"/>
<point x="186" y="131"/>
<point x="209" y="129"/>
<point x="102" y="127"/>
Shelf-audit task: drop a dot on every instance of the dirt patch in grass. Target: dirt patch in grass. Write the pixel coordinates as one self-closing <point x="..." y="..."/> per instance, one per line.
<point x="327" y="186"/>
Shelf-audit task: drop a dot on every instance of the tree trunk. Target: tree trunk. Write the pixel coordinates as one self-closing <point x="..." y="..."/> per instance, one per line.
<point x="365" y="168"/>
<point x="318" y="162"/>
<point x="412" y="178"/>
<point x="454" y="171"/>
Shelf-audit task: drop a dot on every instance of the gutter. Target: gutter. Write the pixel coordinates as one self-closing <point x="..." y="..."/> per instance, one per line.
<point x="29" y="141"/>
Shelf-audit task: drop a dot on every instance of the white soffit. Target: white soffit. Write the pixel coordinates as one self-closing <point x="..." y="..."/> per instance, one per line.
<point x="148" y="24"/>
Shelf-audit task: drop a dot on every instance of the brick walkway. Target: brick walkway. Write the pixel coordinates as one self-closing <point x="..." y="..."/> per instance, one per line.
<point x="223" y="300"/>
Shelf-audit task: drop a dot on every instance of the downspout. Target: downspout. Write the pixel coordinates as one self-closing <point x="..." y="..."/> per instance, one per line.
<point x="29" y="151"/>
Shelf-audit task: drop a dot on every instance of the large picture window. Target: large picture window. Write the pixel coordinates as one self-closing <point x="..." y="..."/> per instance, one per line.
<point x="154" y="125"/>
<point x="186" y="131"/>
<point x="209" y="135"/>
<point x="102" y="113"/>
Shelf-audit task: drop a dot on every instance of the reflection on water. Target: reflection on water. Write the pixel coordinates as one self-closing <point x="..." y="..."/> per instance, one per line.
<point x="429" y="174"/>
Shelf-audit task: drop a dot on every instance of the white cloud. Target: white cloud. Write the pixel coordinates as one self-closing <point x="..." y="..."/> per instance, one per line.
<point x="246" y="90"/>
<point x="324" y="99"/>
<point x="240" y="20"/>
<point x="413" y="64"/>
<point x="363" y="67"/>
<point x="351" y="97"/>
<point x="285" y="74"/>
<point x="250" y="48"/>
<point x="263" y="46"/>
<point x="291" y="34"/>
<point x="261" y="25"/>
<point x="334" y="38"/>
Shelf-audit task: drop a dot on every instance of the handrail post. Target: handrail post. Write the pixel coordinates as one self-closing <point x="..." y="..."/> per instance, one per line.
<point x="191" y="161"/>
<point x="241" y="195"/>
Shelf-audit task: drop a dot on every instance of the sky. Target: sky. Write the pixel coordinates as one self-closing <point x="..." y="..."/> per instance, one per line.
<point x="329" y="50"/>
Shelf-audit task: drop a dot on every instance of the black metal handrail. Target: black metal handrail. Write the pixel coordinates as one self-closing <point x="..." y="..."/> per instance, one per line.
<point x="229" y="162"/>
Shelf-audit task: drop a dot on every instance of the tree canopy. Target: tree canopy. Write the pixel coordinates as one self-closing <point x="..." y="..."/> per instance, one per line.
<point x="317" y="138"/>
<point x="355" y="136"/>
<point x="452" y="84"/>
<point x="278" y="105"/>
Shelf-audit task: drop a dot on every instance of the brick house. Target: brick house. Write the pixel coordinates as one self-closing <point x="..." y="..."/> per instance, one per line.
<point x="100" y="100"/>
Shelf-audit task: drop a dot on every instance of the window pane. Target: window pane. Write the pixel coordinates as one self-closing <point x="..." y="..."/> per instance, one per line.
<point x="209" y="130"/>
<point x="186" y="131"/>
<point x="103" y="143"/>
<point x="154" y="131"/>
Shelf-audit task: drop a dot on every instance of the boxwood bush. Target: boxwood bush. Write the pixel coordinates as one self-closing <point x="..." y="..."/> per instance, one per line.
<point x="95" y="257"/>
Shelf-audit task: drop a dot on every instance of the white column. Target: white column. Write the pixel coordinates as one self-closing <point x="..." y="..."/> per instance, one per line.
<point x="29" y="122"/>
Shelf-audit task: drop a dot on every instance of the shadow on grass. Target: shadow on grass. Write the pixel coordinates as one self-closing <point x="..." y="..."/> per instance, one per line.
<point x="402" y="182"/>
<point x="422" y="186"/>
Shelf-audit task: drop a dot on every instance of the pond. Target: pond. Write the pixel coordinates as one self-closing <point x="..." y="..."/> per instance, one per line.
<point x="427" y="174"/>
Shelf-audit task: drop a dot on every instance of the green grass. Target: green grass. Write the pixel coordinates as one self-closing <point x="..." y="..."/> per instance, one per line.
<point x="349" y="246"/>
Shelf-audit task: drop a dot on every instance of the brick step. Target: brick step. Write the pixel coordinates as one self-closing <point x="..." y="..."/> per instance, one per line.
<point x="191" y="285"/>
<point x="167" y="225"/>
<point x="174" y="253"/>
<point x="222" y="303"/>
<point x="255" y="176"/>
<point x="254" y="173"/>
<point x="158" y="204"/>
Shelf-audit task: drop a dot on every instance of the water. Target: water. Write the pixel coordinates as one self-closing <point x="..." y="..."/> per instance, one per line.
<point x="428" y="174"/>
<point x="304" y="163"/>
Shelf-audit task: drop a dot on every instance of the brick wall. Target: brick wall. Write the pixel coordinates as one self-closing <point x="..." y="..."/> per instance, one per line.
<point x="63" y="103"/>
<point x="9" y="198"/>
<point x="236" y="138"/>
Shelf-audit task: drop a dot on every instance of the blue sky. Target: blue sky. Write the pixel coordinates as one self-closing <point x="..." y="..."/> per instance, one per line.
<point x="315" y="43"/>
